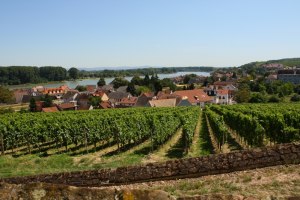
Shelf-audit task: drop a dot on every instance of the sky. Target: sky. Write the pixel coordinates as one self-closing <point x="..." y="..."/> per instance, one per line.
<point x="112" y="33"/>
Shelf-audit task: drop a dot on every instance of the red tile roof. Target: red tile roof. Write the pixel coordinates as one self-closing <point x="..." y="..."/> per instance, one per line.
<point x="90" y="88"/>
<point x="194" y="96"/>
<point x="50" y="109"/>
<point x="59" y="90"/>
<point x="66" y="105"/>
<point x="222" y="92"/>
<point x="130" y="100"/>
<point x="222" y="83"/>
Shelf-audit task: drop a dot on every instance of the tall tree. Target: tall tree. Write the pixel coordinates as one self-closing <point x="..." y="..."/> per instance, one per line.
<point x="131" y="89"/>
<point x="80" y="88"/>
<point x="94" y="101"/>
<point x="146" y="80"/>
<point x="166" y="82"/>
<point x="242" y="95"/>
<point x="101" y="82"/>
<point x="47" y="101"/>
<point x="118" y="82"/>
<point x="73" y="73"/>
<point x="136" y="80"/>
<point x="32" y="105"/>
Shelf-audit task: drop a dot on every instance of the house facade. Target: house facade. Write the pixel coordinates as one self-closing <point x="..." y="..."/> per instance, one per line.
<point x="222" y="97"/>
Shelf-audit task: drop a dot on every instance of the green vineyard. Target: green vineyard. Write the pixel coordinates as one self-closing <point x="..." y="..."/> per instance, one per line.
<point x="122" y="127"/>
<point x="82" y="140"/>
<point x="256" y="125"/>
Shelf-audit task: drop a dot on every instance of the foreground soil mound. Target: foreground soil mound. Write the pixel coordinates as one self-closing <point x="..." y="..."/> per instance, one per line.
<point x="43" y="191"/>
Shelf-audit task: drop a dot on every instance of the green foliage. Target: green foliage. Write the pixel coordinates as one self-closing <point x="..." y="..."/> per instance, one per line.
<point x="124" y="126"/>
<point x="188" y="77"/>
<point x="15" y="75"/>
<point x="247" y="126"/>
<point x="258" y="98"/>
<point x="136" y="80"/>
<point x="101" y="82"/>
<point x="142" y="89"/>
<point x="144" y="71"/>
<point x="166" y="82"/>
<point x="218" y="126"/>
<point x="257" y="67"/>
<point x="80" y="88"/>
<point x="295" y="97"/>
<point x="94" y="101"/>
<point x="6" y="110"/>
<point x="32" y="105"/>
<point x="146" y="80"/>
<point x="274" y="99"/>
<point x="119" y="81"/>
<point x="286" y="89"/>
<point x="53" y="73"/>
<point x="131" y="89"/>
<point x="242" y="95"/>
<point x="6" y="96"/>
<point x="191" y="87"/>
<point x="47" y="101"/>
<point x="73" y="73"/>
<point x="279" y="123"/>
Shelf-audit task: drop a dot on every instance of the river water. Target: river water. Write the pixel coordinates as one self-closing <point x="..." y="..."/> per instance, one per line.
<point x="93" y="81"/>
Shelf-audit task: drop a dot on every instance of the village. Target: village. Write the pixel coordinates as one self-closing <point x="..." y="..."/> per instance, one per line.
<point x="64" y="98"/>
<point x="223" y="86"/>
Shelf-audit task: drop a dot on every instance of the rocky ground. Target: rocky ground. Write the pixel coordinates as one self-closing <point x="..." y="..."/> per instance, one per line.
<point x="281" y="182"/>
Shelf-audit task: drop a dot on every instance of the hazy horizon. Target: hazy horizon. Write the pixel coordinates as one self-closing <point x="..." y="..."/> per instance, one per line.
<point x="132" y="33"/>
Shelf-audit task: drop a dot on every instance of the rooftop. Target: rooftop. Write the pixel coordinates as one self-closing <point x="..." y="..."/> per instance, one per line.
<point x="163" y="103"/>
<point x="194" y="96"/>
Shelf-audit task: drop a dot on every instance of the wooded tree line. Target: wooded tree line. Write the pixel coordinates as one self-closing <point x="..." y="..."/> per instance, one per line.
<point x="15" y="75"/>
<point x="144" y="71"/>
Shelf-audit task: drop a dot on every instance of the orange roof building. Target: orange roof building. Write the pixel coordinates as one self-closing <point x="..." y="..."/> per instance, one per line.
<point x="67" y="106"/>
<point x="54" y="91"/>
<point x="195" y="97"/>
<point x="128" y="101"/>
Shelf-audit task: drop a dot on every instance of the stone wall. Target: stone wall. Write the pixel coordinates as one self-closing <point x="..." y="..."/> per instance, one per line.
<point x="173" y="169"/>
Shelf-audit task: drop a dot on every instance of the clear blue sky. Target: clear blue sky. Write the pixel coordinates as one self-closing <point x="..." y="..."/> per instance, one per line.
<point x="90" y="33"/>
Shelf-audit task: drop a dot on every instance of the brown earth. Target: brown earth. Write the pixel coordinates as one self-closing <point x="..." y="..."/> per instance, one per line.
<point x="43" y="191"/>
<point x="280" y="182"/>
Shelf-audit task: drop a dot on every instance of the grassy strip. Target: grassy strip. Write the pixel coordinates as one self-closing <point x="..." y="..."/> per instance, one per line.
<point x="196" y="149"/>
<point x="38" y="164"/>
<point x="163" y="152"/>
<point x="277" y="182"/>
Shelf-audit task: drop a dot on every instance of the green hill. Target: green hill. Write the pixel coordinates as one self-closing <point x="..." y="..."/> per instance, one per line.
<point x="258" y="66"/>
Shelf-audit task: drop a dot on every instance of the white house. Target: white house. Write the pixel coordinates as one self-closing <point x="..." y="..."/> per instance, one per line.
<point x="223" y="97"/>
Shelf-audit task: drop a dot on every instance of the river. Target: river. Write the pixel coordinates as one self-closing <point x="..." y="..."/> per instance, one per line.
<point x="93" y="81"/>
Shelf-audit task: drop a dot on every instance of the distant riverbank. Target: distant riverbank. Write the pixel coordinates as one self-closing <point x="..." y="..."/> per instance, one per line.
<point x="93" y="81"/>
